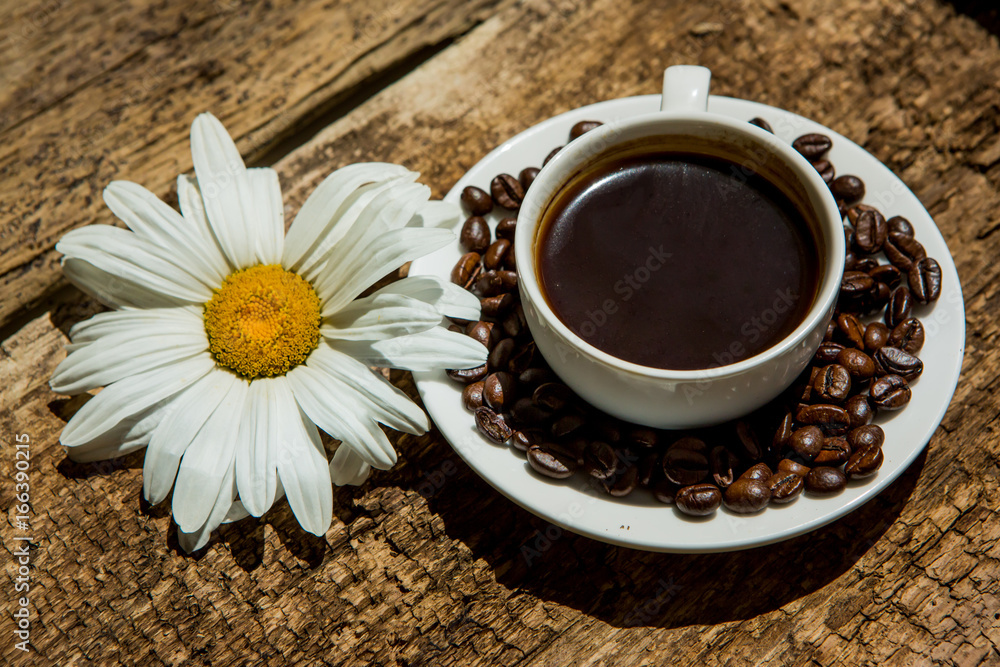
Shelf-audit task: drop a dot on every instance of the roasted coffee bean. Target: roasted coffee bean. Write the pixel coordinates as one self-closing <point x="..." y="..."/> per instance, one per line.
<point x="553" y="395"/>
<point x="826" y="171"/>
<point x="508" y="279"/>
<point x="864" y="463"/>
<point x="848" y="188"/>
<point x="785" y="486"/>
<point x="832" y="419"/>
<point x="692" y="444"/>
<point x="492" y="425"/>
<point x="533" y="377"/>
<point x="468" y="375"/>
<point x="749" y="441"/>
<point x="507" y="192"/>
<point x="649" y="468"/>
<point x="500" y="354"/>
<point x="783" y="433"/>
<point x="665" y="491"/>
<point x="698" y="499"/>
<point x="609" y="430"/>
<point x="863" y="437"/>
<point x="485" y="333"/>
<point x="723" y="463"/>
<point x="527" y="177"/>
<point x="759" y="471"/>
<point x="828" y="352"/>
<point x="497" y="306"/>
<point x="495" y="254"/>
<point x="876" y="335"/>
<point x="866" y="265"/>
<point x="925" y="280"/>
<point x="887" y="274"/>
<point x="600" y="459"/>
<point x="573" y="447"/>
<point x="582" y="128"/>
<point x="852" y="331"/>
<point x="512" y="325"/>
<point x="859" y="365"/>
<point x="878" y="299"/>
<point x="762" y="124"/>
<point x="835" y="452"/>
<point x="807" y="442"/>
<point x="890" y="393"/>
<point x="526" y="413"/>
<point x="644" y="438"/>
<point x="454" y="328"/>
<point x="908" y="336"/>
<point x="825" y="480"/>
<point x="859" y="410"/>
<point x="833" y="384"/>
<point x="566" y="424"/>
<point x="685" y="466"/>
<point x="899" y="362"/>
<point x="903" y="251"/>
<point x="788" y="465"/>
<point x="522" y="359"/>
<point x="523" y="440"/>
<point x="498" y="390"/>
<point x="465" y="269"/>
<point x="746" y="496"/>
<point x="870" y="232"/>
<point x="488" y="284"/>
<point x="900" y="225"/>
<point x="549" y="463"/>
<point x="899" y="307"/>
<point x="848" y="237"/>
<point x="812" y="146"/>
<point x="551" y="155"/>
<point x="856" y="284"/>
<point x="475" y="236"/>
<point x="623" y="483"/>
<point x="850" y="259"/>
<point x="505" y="230"/>
<point x="472" y="395"/>
<point x="476" y="200"/>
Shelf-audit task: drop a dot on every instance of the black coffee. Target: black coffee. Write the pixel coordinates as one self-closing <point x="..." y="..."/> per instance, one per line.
<point x="677" y="260"/>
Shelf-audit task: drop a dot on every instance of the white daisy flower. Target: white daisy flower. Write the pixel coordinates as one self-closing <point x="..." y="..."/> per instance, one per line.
<point x="231" y="343"/>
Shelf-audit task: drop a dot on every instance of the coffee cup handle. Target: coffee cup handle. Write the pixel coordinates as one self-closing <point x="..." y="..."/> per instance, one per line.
<point x="685" y="88"/>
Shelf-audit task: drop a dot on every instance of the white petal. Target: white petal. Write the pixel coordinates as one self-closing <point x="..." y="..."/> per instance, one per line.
<point x="222" y="506"/>
<point x="130" y="396"/>
<point x="208" y="463"/>
<point x="270" y="235"/>
<point x="193" y="209"/>
<point x="111" y="290"/>
<point x="154" y="221"/>
<point x="177" y="431"/>
<point x="236" y="513"/>
<point x="256" y="465"/>
<point x="341" y="414"/>
<point x="139" y="322"/>
<point x="428" y="350"/>
<point x="385" y="402"/>
<point x="380" y="316"/>
<point x="347" y="468"/>
<point x="303" y="470"/>
<point x="442" y="214"/>
<point x="449" y="299"/>
<point x="340" y="283"/>
<point x="320" y="215"/>
<point x="131" y="260"/>
<point x="127" y="436"/>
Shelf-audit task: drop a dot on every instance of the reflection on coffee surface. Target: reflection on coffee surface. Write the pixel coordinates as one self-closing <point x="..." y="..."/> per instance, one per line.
<point x="676" y="260"/>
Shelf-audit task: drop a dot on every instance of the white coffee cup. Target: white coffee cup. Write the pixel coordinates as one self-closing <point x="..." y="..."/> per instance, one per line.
<point x="676" y="399"/>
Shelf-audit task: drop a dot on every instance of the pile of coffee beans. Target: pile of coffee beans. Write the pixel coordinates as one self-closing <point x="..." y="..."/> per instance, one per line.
<point x="814" y="438"/>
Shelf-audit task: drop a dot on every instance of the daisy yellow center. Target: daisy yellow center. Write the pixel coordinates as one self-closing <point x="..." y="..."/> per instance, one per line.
<point x="263" y="321"/>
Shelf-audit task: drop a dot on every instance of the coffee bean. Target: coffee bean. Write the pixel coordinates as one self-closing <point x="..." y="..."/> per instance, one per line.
<point x="899" y="307"/>
<point x="848" y="237"/>
<point x="553" y="396"/>
<point x="890" y="393"/>
<point x="512" y="325"/>
<point x="833" y="384"/>
<point x="812" y="146"/>
<point x="748" y="440"/>
<point x="505" y="230"/>
<point x="746" y="496"/>
<point x="903" y="251"/>
<point x="852" y="331"/>
<point x="497" y="306"/>
<point x="908" y="336"/>
<point x="495" y="254"/>
<point x="828" y="352"/>
<point x="825" y="169"/>
<point x="848" y="188"/>
<point x="527" y="177"/>
<point x="856" y="284"/>
<point x="622" y="484"/>
<point x="476" y="200"/>
<point x="488" y="284"/>
<point x="523" y="440"/>
<point x="835" y="452"/>
<point x="507" y="192"/>
<point x="485" y="333"/>
<point x="863" y="437"/>
<point x="807" y="442"/>
<point x="685" y="466"/>
<point x="600" y="460"/>
<point x="468" y="375"/>
<point x="870" y="232"/>
<point x="645" y="438"/>
<point x="472" y="396"/>
<point x="465" y="269"/>
<point x="859" y="410"/>
<point x="475" y="236"/>
<point x="850" y="259"/>
<point x="582" y="128"/>
<point x="876" y="335"/>
<point x="825" y="480"/>
<point x="533" y="377"/>
<point x="573" y="447"/>
<point x="859" y="365"/>
<point x="783" y="434"/>
<point x="925" y="280"/>
<point x="498" y="390"/>
<point x="762" y="124"/>
<point x="492" y="425"/>
<point x="692" y="444"/>
<point x="508" y="279"/>
<point x="785" y="486"/>
<point x="500" y="354"/>
<point x="526" y="413"/>
<point x="864" y="463"/>
<point x="549" y="463"/>
<point x="523" y="358"/>
<point x="900" y="225"/>
<point x="723" y="462"/>
<point x="899" y="362"/>
<point x="759" y="471"/>
<point x="698" y="499"/>
<point x="665" y="491"/>
<point x="788" y="465"/>
<point x="551" y="155"/>
<point x="609" y="430"/>
<point x="866" y="265"/>
<point x="566" y="424"/>
<point x="831" y="419"/>
<point x="886" y="274"/>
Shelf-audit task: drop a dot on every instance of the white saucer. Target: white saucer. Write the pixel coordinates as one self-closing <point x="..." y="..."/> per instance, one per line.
<point x="639" y="521"/>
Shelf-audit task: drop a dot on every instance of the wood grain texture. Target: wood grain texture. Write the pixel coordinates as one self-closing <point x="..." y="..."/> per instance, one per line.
<point x="426" y="564"/>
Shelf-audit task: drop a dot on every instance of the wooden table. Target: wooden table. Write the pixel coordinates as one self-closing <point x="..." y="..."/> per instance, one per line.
<point x="94" y="91"/>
